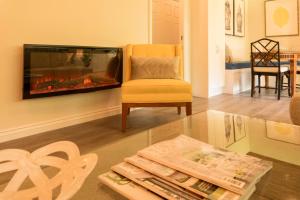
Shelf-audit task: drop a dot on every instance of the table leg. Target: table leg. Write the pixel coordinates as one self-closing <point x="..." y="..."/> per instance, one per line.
<point x="267" y="82"/>
<point x="293" y="70"/>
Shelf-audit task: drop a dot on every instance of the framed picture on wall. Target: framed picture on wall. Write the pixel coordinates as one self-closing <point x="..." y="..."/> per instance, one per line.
<point x="281" y="18"/>
<point x="239" y="127"/>
<point x="229" y="17"/>
<point x="239" y="18"/>
<point x="229" y="130"/>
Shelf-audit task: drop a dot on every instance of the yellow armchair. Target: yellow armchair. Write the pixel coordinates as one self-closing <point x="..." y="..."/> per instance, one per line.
<point x="154" y="92"/>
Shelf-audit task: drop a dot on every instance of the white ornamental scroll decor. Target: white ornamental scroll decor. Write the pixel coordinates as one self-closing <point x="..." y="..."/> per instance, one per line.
<point x="72" y="171"/>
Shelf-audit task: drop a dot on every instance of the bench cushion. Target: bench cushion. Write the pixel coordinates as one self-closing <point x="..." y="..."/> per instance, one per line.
<point x="271" y="69"/>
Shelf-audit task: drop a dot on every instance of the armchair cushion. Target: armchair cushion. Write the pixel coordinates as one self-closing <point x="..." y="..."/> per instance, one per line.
<point x="154" y="67"/>
<point x="156" y="91"/>
<point x="151" y="50"/>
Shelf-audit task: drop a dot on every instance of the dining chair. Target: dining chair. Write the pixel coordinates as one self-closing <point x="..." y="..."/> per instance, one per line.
<point x="265" y="61"/>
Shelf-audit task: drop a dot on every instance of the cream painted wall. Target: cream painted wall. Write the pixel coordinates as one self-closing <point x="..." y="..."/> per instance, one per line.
<point x="166" y="21"/>
<point x="257" y="26"/>
<point x="186" y="23"/>
<point x="185" y="28"/>
<point x="238" y="48"/>
<point x="216" y="47"/>
<point x="207" y="47"/>
<point x="199" y="47"/>
<point x="90" y="22"/>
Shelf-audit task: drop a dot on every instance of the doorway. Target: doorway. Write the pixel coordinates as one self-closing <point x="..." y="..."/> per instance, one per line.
<point x="167" y="21"/>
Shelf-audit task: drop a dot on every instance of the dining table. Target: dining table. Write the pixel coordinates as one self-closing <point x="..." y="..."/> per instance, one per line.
<point x="292" y="57"/>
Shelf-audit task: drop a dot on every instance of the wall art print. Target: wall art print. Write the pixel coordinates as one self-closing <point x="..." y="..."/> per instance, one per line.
<point x="229" y="130"/>
<point x="229" y="17"/>
<point x="281" y="18"/>
<point x="239" y="18"/>
<point x="239" y="127"/>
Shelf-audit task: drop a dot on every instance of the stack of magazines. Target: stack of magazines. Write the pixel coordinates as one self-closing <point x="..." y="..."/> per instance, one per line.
<point x="185" y="168"/>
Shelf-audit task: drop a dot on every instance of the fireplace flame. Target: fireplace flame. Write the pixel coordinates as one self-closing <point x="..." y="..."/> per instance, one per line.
<point x="51" y="83"/>
<point x="87" y="81"/>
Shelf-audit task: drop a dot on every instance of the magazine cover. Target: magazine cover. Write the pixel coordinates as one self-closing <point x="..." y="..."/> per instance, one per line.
<point x="126" y="187"/>
<point x="192" y="184"/>
<point x="235" y="172"/>
<point x="154" y="183"/>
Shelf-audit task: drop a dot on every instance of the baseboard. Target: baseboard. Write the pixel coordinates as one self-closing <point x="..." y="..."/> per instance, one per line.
<point x="216" y="91"/>
<point x="236" y="91"/>
<point x="37" y="128"/>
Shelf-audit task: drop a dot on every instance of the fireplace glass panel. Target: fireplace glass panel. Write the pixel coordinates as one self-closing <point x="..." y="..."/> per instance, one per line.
<point x="63" y="70"/>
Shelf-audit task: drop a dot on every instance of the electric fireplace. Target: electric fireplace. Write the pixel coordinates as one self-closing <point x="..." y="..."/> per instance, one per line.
<point x="51" y="70"/>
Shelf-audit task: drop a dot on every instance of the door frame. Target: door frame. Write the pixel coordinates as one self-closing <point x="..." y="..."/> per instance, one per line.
<point x="185" y="41"/>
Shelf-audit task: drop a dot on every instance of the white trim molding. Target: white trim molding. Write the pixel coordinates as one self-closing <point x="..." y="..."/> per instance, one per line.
<point x="40" y="127"/>
<point x="150" y="18"/>
<point x="216" y="91"/>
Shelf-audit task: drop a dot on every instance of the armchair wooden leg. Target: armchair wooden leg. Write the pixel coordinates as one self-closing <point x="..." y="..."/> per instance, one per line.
<point x="188" y="108"/>
<point x="179" y="110"/>
<point x="128" y="111"/>
<point x="124" y="115"/>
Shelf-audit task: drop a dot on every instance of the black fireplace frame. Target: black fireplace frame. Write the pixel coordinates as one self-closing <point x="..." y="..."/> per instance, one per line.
<point x="28" y="48"/>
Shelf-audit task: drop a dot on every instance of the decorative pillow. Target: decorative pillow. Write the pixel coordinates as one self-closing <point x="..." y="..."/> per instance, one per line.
<point x="154" y="67"/>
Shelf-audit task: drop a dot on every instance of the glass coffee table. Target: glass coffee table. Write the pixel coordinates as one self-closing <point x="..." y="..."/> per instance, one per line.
<point x="269" y="140"/>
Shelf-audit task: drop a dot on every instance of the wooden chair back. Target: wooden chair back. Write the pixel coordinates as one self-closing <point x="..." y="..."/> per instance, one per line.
<point x="265" y="53"/>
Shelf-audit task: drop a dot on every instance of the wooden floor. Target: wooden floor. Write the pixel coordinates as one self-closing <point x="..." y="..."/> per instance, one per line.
<point x="109" y="129"/>
<point x="264" y="106"/>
